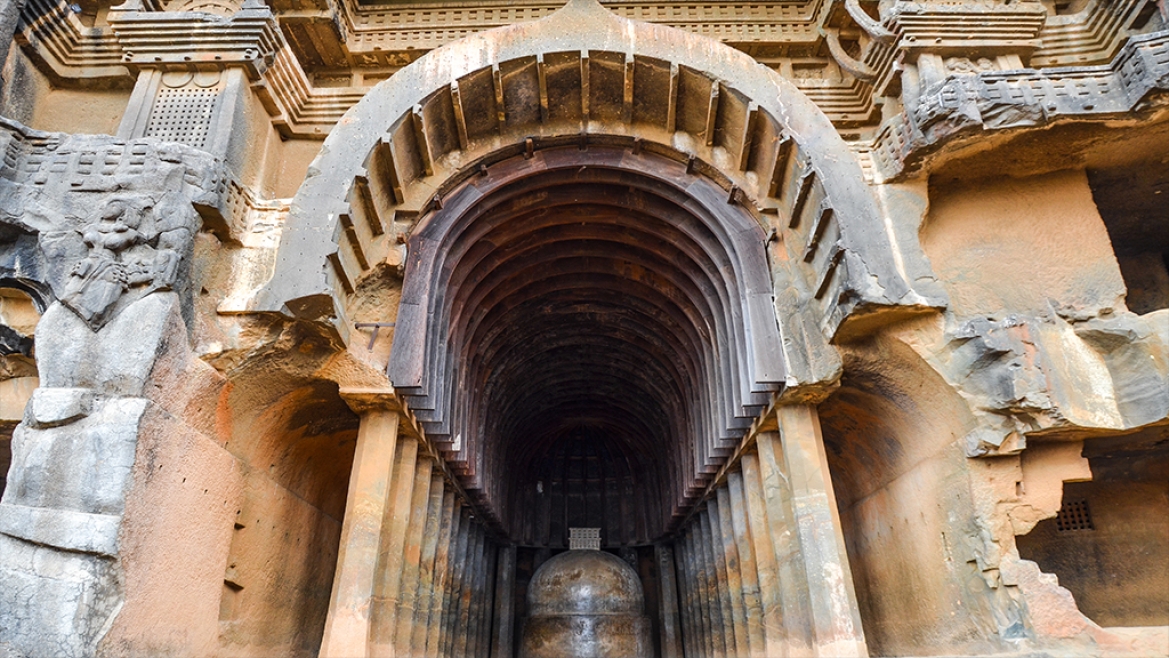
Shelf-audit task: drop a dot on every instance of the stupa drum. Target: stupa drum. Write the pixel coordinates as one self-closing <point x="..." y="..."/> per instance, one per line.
<point x="585" y="604"/>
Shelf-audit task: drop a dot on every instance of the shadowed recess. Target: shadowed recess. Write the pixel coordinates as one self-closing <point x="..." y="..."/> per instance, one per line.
<point x="590" y="326"/>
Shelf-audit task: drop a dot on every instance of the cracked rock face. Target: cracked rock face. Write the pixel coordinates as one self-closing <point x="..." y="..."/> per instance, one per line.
<point x="860" y="327"/>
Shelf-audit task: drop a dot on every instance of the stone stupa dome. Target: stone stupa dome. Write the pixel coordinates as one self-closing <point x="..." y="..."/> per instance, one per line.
<point x="585" y="583"/>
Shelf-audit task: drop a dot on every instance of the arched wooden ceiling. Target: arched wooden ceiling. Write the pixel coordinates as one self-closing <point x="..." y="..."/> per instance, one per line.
<point x="587" y="289"/>
<point x="658" y="136"/>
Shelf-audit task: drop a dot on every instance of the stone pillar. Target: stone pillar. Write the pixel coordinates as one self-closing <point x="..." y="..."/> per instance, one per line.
<point x="485" y="601"/>
<point x="691" y="626"/>
<point x="769" y="534"/>
<point x="720" y="618"/>
<point x="776" y="525"/>
<point x="471" y="598"/>
<point x="347" y="624"/>
<point x="724" y="545"/>
<point x="696" y="582"/>
<point x="710" y="616"/>
<point x="391" y="560"/>
<point x="501" y="640"/>
<point x="835" y="616"/>
<point x="668" y="602"/>
<point x="448" y="529"/>
<point x="454" y="590"/>
<point x="412" y="558"/>
<point x="466" y="590"/>
<point x="427" y="580"/>
<point x="752" y="605"/>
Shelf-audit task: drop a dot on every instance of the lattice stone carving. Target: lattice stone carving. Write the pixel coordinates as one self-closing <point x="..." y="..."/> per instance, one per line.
<point x="183" y="114"/>
<point x="1074" y="515"/>
<point x="584" y="539"/>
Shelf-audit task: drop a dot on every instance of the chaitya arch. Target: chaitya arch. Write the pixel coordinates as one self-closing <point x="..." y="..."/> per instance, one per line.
<point x="852" y="339"/>
<point x="648" y="124"/>
<point x="415" y="136"/>
<point x="620" y="246"/>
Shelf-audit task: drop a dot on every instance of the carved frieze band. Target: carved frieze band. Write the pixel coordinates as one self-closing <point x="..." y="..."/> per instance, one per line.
<point x="871" y="53"/>
<point x="972" y="102"/>
<point x="113" y="219"/>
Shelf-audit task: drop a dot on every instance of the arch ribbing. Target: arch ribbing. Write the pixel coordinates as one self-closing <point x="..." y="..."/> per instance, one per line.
<point x="587" y="292"/>
<point x="413" y="138"/>
<point x="649" y="134"/>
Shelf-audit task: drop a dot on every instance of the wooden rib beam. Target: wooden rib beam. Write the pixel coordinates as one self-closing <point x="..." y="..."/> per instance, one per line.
<point x="354" y="241"/>
<point x="460" y="118"/>
<point x="823" y="218"/>
<point x="497" y="84"/>
<point x="342" y="276"/>
<point x="830" y="265"/>
<point x="364" y="196"/>
<point x="627" y="102"/>
<point x="542" y="81"/>
<point x="745" y="142"/>
<point x="422" y="142"/>
<point x="386" y="164"/>
<point x="712" y="113"/>
<point x="779" y="166"/>
<point x="802" y="193"/>
<point x="584" y="87"/>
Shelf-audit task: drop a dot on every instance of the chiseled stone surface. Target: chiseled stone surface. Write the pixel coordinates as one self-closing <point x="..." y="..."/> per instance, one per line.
<point x="113" y="236"/>
<point x="322" y="325"/>
<point x="50" y="407"/>
<point x="56" y="603"/>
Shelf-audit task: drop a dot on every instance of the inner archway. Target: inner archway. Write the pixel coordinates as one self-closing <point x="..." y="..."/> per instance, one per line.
<point x="616" y="245"/>
<point x="586" y="334"/>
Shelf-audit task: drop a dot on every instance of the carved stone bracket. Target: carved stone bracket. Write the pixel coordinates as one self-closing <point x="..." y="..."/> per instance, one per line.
<point x="113" y="222"/>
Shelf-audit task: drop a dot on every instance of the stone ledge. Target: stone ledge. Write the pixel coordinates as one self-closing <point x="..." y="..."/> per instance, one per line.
<point x="53" y="407"/>
<point x="64" y="529"/>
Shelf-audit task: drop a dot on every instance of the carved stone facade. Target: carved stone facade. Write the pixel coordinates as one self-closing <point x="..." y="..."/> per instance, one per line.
<point x="842" y="326"/>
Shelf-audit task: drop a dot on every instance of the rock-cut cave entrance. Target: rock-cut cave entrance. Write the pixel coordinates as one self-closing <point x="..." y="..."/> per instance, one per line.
<point x="589" y="332"/>
<point x="588" y="326"/>
<point x="586" y="334"/>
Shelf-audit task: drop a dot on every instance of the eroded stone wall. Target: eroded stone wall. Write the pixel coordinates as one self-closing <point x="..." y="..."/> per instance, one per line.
<point x="967" y="257"/>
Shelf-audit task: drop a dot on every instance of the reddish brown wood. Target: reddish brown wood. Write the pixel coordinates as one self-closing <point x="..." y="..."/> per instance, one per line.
<point x="581" y="335"/>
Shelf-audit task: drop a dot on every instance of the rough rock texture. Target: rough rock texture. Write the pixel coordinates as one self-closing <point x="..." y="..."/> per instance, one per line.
<point x="324" y="325"/>
<point x="113" y="236"/>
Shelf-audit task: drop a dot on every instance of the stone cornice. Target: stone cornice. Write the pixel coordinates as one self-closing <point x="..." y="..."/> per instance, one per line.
<point x="380" y="38"/>
<point x="67" y="49"/>
<point x="1092" y="36"/>
<point x="174" y="40"/>
<point x="964" y="106"/>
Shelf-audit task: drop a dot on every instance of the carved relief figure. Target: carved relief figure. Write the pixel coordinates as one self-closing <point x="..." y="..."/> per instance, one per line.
<point x="123" y="253"/>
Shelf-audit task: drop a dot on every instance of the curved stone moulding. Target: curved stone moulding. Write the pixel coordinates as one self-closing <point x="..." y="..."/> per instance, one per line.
<point x="598" y="287"/>
<point x="413" y="137"/>
<point x="701" y="142"/>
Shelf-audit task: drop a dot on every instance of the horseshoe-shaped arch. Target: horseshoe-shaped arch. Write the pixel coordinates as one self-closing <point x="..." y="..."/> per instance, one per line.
<point x="655" y="132"/>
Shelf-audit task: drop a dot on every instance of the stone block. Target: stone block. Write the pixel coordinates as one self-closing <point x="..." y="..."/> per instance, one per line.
<point x="117" y="359"/>
<point x="55" y="603"/>
<point x="72" y="531"/>
<point x="83" y="466"/>
<point x="53" y="407"/>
